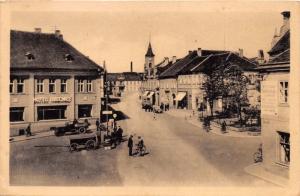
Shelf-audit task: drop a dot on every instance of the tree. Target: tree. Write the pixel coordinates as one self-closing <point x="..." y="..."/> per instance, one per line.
<point x="214" y="86"/>
<point x="236" y="83"/>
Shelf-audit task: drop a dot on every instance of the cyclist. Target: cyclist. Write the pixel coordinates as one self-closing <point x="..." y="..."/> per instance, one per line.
<point x="140" y="145"/>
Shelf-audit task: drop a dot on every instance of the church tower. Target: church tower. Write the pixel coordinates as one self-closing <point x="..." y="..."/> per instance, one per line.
<point x="149" y="62"/>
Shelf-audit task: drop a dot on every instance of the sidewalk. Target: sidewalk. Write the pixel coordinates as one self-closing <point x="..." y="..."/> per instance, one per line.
<point x="34" y="136"/>
<point x="193" y="119"/>
<point x="257" y="170"/>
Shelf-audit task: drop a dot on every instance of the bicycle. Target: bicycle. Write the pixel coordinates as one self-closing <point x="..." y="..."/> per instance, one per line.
<point x="140" y="151"/>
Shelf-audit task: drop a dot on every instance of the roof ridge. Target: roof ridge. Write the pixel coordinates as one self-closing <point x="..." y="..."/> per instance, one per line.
<point x="276" y="56"/>
<point x="202" y="62"/>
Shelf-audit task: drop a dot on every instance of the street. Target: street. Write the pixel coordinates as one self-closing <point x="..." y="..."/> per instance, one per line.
<point x="180" y="154"/>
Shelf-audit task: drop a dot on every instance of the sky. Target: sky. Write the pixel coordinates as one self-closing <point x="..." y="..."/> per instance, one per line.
<point x="121" y="35"/>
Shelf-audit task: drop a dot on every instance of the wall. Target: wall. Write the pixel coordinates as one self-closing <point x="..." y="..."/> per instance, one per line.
<point x="275" y="117"/>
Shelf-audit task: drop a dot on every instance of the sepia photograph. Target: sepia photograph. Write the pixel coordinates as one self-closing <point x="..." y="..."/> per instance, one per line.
<point x="149" y="94"/>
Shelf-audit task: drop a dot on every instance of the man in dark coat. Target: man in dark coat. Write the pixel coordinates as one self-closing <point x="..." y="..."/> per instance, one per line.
<point x="120" y="134"/>
<point x="28" y="130"/>
<point x="130" y="145"/>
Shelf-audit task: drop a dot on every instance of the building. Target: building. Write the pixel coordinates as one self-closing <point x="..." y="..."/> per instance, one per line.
<point x="125" y="82"/>
<point x="181" y="84"/>
<point x="50" y="82"/>
<point x="275" y="103"/>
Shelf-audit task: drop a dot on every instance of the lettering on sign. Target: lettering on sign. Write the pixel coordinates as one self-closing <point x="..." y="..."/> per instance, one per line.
<point x="269" y="101"/>
<point x="52" y="100"/>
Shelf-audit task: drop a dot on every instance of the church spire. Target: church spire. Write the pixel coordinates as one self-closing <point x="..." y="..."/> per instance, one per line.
<point x="149" y="51"/>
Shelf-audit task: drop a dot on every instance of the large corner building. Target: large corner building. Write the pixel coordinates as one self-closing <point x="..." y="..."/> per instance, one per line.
<point x="50" y="82"/>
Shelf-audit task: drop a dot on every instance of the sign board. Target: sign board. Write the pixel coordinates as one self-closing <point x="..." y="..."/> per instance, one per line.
<point x="269" y="98"/>
<point x="115" y="115"/>
<point x="52" y="99"/>
<point x="107" y="112"/>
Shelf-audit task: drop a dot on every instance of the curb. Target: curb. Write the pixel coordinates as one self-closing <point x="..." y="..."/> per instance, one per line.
<point x="258" y="171"/>
<point x="24" y="138"/>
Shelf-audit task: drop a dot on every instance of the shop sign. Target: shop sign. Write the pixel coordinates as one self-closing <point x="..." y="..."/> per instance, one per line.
<point x="269" y="102"/>
<point x="52" y="100"/>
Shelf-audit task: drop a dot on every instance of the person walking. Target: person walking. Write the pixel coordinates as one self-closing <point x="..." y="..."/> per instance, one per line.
<point x="28" y="130"/>
<point x="119" y="134"/>
<point x="130" y="145"/>
<point x="98" y="130"/>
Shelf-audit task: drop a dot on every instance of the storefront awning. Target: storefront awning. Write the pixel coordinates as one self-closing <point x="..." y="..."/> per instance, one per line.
<point x="150" y="94"/>
<point x="180" y="96"/>
<point x="145" y="93"/>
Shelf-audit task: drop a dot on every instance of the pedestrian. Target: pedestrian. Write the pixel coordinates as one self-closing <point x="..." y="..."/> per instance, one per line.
<point x="98" y="124"/>
<point x="223" y="127"/>
<point x="119" y="134"/>
<point x="140" y="145"/>
<point x="114" y="138"/>
<point x="28" y="130"/>
<point x="130" y="145"/>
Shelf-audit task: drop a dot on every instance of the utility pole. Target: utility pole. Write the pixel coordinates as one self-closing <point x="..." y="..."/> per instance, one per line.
<point x="105" y="94"/>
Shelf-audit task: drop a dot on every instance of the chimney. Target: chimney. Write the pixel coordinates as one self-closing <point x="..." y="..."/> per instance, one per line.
<point x="286" y="15"/>
<point x="241" y="52"/>
<point x="199" y="52"/>
<point x="166" y="61"/>
<point x="131" y="68"/>
<point x="58" y="34"/>
<point x="173" y="59"/>
<point x="261" y="58"/>
<point x="37" y="30"/>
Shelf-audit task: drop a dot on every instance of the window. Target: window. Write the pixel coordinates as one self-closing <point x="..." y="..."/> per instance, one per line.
<point x="80" y="86"/>
<point x="84" y="111"/>
<point x="51" y="112"/>
<point x="20" y="85"/>
<point x="283" y="92"/>
<point x="16" y="114"/>
<point x="68" y="57"/>
<point x="29" y="56"/>
<point x="40" y="86"/>
<point x="52" y="86"/>
<point x="11" y="86"/>
<point x="89" y="85"/>
<point x="284" y="147"/>
<point x="63" y="85"/>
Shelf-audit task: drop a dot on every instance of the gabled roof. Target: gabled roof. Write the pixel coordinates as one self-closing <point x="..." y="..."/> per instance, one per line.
<point x="149" y="51"/>
<point x="281" y="57"/>
<point x="184" y="65"/>
<point x="281" y="45"/>
<point x="173" y="70"/>
<point x="49" y="52"/>
<point x="215" y="60"/>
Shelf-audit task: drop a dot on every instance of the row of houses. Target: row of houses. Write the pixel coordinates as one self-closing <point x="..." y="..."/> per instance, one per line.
<point x="178" y="83"/>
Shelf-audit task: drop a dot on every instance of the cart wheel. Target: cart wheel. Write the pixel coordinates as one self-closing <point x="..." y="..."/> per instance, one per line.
<point x="90" y="145"/>
<point x="82" y="130"/>
<point x="74" y="147"/>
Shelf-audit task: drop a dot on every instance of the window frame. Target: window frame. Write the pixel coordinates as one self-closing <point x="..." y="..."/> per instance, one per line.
<point x="39" y="85"/>
<point x="284" y="99"/>
<point x="51" y="83"/>
<point x="11" y="86"/>
<point x="80" y="86"/>
<point x="20" y="82"/>
<point x="280" y="146"/>
<point x="89" y="85"/>
<point x="62" y="83"/>
<point x="17" y="108"/>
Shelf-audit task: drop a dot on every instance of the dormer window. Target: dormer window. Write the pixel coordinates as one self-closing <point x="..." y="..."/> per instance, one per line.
<point x="29" y="56"/>
<point x="69" y="58"/>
